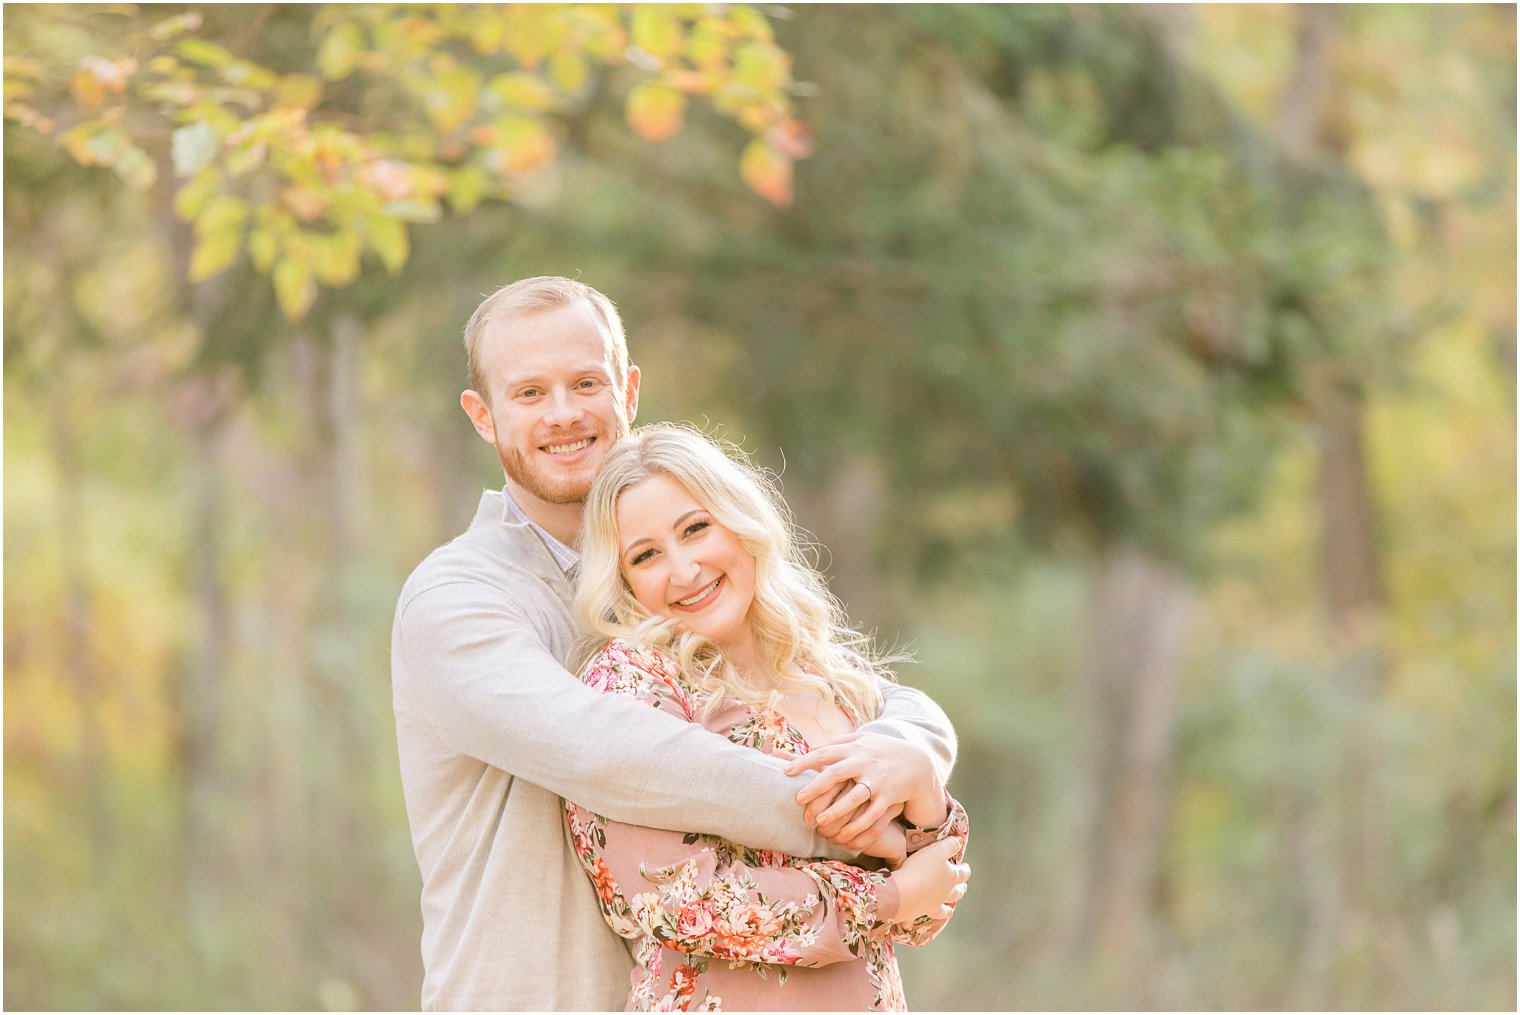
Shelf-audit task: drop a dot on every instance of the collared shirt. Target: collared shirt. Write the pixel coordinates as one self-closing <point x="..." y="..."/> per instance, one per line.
<point x="566" y="557"/>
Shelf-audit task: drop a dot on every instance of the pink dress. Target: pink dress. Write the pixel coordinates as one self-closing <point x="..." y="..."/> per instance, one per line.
<point x="714" y="925"/>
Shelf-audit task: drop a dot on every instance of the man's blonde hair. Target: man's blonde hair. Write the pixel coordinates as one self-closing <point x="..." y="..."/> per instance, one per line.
<point x="801" y="632"/>
<point x="544" y="292"/>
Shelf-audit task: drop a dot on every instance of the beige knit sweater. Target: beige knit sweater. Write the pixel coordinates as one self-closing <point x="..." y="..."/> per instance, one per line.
<point x="492" y="731"/>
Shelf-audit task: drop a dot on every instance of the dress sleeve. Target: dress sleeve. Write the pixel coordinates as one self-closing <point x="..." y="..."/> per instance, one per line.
<point x="956" y="825"/>
<point x="701" y="894"/>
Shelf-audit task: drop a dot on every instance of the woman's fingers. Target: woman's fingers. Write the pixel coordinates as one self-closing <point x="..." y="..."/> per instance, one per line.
<point x="817" y="804"/>
<point x="832" y="820"/>
<point x="833" y="778"/>
<point x="865" y="818"/>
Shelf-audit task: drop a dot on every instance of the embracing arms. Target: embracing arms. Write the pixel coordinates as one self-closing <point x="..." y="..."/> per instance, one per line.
<point x="707" y="896"/>
<point x="481" y="674"/>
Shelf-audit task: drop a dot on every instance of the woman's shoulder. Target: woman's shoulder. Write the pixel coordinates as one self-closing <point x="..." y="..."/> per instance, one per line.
<point x="637" y="671"/>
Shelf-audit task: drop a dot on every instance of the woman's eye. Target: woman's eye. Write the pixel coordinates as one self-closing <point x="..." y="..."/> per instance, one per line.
<point x="696" y="527"/>
<point x="640" y="557"/>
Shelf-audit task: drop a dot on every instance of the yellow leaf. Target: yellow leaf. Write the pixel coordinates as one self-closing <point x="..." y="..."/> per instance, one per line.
<point x="298" y="91"/>
<point x="192" y="198"/>
<point x="89" y="94"/>
<point x="263" y="245"/>
<point x="525" y="91"/>
<point x="568" y="71"/>
<point x="656" y="32"/>
<point x="656" y="112"/>
<point x="214" y="253"/>
<point x="767" y="172"/>
<point x="339" y="51"/>
<point x="294" y="287"/>
<point x="452" y="97"/>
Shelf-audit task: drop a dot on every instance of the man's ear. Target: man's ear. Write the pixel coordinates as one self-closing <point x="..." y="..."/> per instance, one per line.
<point x="631" y="396"/>
<point x="479" y="412"/>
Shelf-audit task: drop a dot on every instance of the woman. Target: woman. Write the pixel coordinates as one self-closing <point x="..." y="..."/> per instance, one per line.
<point x="693" y="582"/>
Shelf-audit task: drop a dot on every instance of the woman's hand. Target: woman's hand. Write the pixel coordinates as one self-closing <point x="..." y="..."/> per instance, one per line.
<point x="886" y="773"/>
<point x="929" y="883"/>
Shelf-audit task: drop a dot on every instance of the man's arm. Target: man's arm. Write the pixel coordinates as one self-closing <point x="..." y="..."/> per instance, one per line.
<point x="909" y="714"/>
<point x="491" y="690"/>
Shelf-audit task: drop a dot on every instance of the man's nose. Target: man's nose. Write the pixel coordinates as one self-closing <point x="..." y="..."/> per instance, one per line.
<point x="563" y="409"/>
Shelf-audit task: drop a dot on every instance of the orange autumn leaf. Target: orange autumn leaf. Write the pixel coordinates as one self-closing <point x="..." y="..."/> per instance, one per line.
<point x="767" y="172"/>
<point x="656" y="111"/>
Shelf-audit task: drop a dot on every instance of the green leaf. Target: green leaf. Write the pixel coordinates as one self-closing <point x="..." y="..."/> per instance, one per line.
<point x="177" y="25"/>
<point x="467" y="185"/>
<point x="200" y="51"/>
<point x="136" y="168"/>
<point x="223" y="213"/>
<point x="214" y="253"/>
<point x="263" y="245"/>
<point x="388" y="238"/>
<point x="294" y="287"/>
<point x="413" y="211"/>
<point x="192" y="197"/>
<point x="193" y="147"/>
<point x="339" y="51"/>
<point x="335" y="258"/>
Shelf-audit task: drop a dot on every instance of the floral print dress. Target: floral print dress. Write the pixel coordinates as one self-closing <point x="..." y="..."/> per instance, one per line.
<point x="715" y="925"/>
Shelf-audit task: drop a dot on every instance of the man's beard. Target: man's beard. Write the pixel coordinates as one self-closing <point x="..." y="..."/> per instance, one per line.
<point x="571" y="490"/>
<point x="567" y="490"/>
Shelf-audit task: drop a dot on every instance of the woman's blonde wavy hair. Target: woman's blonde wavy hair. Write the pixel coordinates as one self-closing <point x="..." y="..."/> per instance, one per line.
<point x="801" y="632"/>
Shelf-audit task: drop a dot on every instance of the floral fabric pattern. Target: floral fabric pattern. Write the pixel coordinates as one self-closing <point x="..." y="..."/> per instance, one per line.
<point x="713" y="924"/>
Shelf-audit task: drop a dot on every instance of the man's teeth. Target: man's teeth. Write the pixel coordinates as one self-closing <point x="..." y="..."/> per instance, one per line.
<point x="567" y="449"/>
<point x="692" y="600"/>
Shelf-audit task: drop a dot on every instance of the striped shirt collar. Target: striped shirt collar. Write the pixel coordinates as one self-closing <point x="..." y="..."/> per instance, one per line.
<point x="565" y="556"/>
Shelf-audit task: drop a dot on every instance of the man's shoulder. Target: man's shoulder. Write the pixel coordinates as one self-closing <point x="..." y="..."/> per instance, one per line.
<point x="489" y="553"/>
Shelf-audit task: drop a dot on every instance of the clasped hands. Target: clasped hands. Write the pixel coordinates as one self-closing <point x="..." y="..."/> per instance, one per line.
<point x="865" y="782"/>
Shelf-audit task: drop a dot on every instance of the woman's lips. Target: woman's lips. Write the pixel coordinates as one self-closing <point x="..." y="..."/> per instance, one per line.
<point x="707" y="596"/>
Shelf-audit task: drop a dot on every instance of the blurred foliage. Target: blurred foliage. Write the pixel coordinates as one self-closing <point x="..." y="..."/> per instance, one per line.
<point x="1046" y="285"/>
<point x="346" y="123"/>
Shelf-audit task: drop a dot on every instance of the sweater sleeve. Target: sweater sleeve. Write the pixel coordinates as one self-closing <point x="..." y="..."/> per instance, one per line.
<point x="909" y="714"/>
<point x="486" y="684"/>
<point x="705" y="896"/>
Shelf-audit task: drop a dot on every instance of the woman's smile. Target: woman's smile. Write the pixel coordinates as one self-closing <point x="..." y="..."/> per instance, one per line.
<point x="703" y="598"/>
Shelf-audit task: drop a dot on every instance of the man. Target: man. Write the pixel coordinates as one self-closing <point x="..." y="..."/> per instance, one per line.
<point x="493" y="730"/>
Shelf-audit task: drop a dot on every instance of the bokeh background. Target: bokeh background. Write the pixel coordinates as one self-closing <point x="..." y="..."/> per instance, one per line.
<point x="1149" y="371"/>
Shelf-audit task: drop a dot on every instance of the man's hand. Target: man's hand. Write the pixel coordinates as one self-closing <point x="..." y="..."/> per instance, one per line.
<point x="886" y="839"/>
<point x="863" y="777"/>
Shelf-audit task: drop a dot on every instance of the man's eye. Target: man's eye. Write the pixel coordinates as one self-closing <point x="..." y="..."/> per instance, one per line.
<point x="587" y="384"/>
<point x="528" y="393"/>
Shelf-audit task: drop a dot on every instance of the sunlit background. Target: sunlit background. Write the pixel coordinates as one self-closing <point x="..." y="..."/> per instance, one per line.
<point x="1149" y="371"/>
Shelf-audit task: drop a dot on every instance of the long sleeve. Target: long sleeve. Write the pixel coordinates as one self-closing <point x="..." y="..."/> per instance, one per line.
<point x="699" y="895"/>
<point x="909" y="714"/>
<point x="478" y="669"/>
<point x="956" y="825"/>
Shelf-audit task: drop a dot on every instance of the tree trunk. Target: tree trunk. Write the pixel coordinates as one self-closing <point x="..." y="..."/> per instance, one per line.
<point x="79" y="630"/>
<point x="1141" y="610"/>
<point x="844" y="515"/>
<point x="1351" y="566"/>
